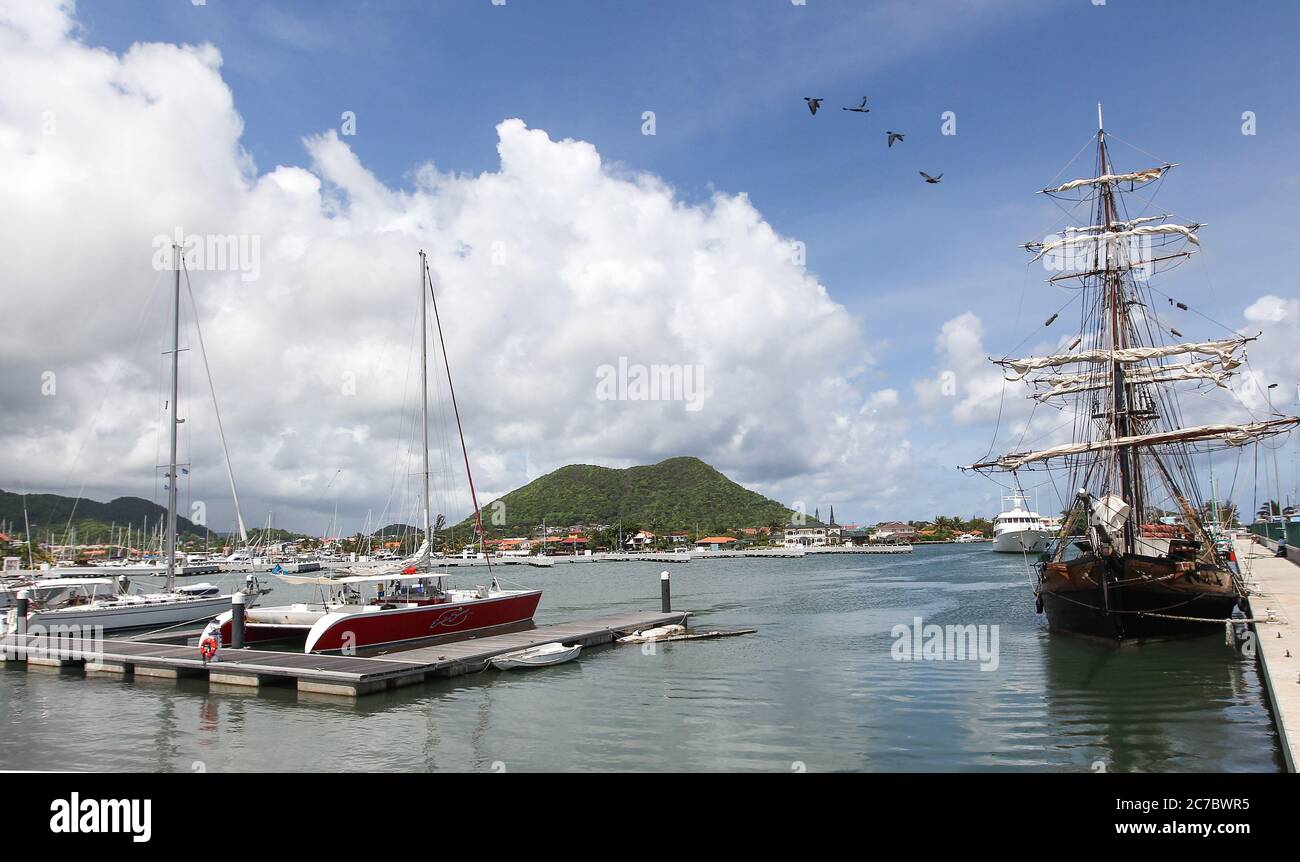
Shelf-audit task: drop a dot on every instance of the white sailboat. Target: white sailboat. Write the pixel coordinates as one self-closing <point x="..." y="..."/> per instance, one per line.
<point x="116" y="609"/>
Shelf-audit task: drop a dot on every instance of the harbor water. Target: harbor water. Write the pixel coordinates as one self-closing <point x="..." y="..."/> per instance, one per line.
<point x="824" y="685"/>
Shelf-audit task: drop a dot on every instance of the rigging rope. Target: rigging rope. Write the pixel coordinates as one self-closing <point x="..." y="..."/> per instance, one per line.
<point x="478" y="514"/>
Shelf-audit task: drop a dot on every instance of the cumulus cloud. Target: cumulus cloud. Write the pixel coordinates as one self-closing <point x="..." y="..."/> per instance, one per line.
<point x="967" y="384"/>
<point x="1274" y="358"/>
<point x="547" y="268"/>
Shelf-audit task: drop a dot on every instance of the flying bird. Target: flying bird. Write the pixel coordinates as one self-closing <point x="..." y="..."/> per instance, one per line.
<point x="813" y="104"/>
<point x="894" y="136"/>
<point x="930" y="179"/>
<point x="861" y="108"/>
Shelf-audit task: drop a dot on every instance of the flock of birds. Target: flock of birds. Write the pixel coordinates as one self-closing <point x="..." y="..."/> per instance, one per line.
<point x="890" y="137"/>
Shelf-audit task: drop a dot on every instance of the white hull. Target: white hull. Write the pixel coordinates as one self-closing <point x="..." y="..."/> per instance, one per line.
<point x="1021" y="542"/>
<point x="136" y="613"/>
<point x="9" y="594"/>
<point x="542" y="656"/>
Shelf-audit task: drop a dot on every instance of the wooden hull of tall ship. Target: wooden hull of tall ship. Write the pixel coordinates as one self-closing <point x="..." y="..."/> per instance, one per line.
<point x="1145" y="602"/>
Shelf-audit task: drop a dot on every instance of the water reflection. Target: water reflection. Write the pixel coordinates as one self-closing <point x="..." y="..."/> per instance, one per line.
<point x="1156" y="707"/>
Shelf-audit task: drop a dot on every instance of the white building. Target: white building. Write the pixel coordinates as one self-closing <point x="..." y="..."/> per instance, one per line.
<point x="805" y="537"/>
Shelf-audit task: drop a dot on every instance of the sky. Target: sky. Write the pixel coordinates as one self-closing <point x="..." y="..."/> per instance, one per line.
<point x="602" y="186"/>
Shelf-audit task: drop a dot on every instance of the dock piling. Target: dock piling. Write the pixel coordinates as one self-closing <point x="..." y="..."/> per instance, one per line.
<point x="665" y="593"/>
<point x="237" y="619"/>
<point x="20" y="615"/>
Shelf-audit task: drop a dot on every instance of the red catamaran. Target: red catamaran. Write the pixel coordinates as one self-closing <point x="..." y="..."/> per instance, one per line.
<point x="412" y="602"/>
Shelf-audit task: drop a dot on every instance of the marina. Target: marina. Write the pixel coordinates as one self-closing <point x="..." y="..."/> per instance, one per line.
<point x="782" y="387"/>
<point x="816" y="683"/>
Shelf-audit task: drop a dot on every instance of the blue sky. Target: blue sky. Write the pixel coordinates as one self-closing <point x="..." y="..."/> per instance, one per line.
<point x="430" y="81"/>
<point x="726" y="81"/>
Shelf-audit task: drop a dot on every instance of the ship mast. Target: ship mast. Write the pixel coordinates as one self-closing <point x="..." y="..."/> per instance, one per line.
<point x="1118" y="318"/>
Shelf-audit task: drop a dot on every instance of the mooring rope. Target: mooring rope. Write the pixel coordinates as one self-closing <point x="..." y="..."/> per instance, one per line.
<point x="1271" y="618"/>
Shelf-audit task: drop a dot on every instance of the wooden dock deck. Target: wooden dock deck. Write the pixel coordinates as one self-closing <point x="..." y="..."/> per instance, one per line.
<point x="345" y="676"/>
<point x="1277" y="581"/>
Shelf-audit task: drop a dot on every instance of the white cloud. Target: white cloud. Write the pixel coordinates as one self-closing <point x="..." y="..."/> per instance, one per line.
<point x="547" y="268"/>
<point x="967" y="385"/>
<point x="1274" y="357"/>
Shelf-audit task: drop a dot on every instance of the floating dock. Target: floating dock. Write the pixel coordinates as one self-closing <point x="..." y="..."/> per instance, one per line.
<point x="1276" y="581"/>
<point x="860" y="549"/>
<point x="754" y="552"/>
<point x="343" y="676"/>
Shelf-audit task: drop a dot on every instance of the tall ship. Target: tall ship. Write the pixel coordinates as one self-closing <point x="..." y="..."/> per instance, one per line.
<point x="1146" y="565"/>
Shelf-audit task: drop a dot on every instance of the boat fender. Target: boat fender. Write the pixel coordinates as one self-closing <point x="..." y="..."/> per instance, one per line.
<point x="1038" y="603"/>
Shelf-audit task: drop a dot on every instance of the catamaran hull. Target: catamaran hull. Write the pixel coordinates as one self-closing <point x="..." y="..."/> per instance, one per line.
<point x="374" y="627"/>
<point x="1153" y="601"/>
<point x="345" y="631"/>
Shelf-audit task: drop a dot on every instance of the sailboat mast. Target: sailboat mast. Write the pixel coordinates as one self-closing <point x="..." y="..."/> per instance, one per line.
<point x="173" y="421"/>
<point x="27" y="527"/>
<point x="424" y="392"/>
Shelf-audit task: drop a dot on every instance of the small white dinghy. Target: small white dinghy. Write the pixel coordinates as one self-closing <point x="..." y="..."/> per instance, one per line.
<point x="538" y="656"/>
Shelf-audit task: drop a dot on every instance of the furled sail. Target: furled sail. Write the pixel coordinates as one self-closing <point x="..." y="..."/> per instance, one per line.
<point x="1111" y="179"/>
<point x="1233" y="435"/>
<point x="1114" y="237"/>
<point x="1222" y="350"/>
<point x="1067" y="384"/>
<point x="1119" y="225"/>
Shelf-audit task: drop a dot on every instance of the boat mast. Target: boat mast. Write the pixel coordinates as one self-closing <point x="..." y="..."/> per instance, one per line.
<point x="173" y="421"/>
<point x="27" y="527"/>
<point x="424" y="395"/>
<point x="455" y="409"/>
<point x="1118" y="340"/>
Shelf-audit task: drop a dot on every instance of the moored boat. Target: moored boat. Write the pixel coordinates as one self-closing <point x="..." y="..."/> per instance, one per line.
<point x="545" y="655"/>
<point x="412" y="603"/>
<point x="1147" y="564"/>
<point x="117" y="609"/>
<point x="1018" y="530"/>
<point x="405" y="610"/>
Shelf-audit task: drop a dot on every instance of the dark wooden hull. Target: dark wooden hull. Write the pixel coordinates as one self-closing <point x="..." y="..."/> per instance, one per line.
<point x="1143" y="598"/>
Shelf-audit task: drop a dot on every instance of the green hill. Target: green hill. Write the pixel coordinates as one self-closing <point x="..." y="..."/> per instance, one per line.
<point x="677" y="494"/>
<point x="92" y="520"/>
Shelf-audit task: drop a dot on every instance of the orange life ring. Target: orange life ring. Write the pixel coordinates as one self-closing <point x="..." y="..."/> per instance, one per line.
<point x="208" y="648"/>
